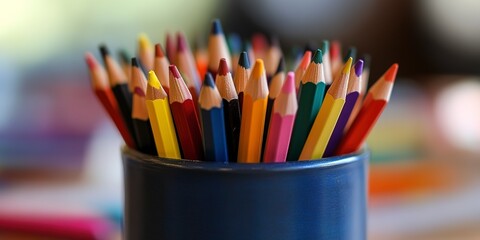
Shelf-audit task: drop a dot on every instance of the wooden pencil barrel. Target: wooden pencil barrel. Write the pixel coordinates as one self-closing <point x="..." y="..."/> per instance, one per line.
<point x="183" y="199"/>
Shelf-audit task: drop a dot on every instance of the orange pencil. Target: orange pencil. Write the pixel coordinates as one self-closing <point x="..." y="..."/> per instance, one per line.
<point x="301" y="68"/>
<point x="160" y="67"/>
<point x="253" y="115"/>
<point x="217" y="47"/>
<point x="373" y="106"/>
<point x="105" y="96"/>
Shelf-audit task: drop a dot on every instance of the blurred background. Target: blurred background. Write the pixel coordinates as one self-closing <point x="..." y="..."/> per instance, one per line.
<point x="60" y="166"/>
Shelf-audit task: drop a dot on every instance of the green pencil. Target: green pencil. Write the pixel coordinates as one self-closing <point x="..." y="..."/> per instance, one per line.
<point x="312" y="89"/>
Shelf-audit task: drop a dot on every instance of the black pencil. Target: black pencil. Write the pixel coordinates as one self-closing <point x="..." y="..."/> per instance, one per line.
<point x="141" y="123"/>
<point x="231" y="108"/>
<point x="119" y="85"/>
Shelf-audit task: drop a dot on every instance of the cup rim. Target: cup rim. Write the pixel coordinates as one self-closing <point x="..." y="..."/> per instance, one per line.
<point x="157" y="162"/>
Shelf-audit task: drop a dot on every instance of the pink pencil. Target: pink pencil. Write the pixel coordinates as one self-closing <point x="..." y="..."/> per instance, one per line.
<point x="281" y="122"/>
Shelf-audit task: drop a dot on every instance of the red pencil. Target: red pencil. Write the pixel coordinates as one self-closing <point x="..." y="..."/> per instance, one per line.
<point x="170" y="48"/>
<point x="186" y="65"/>
<point x="104" y="94"/>
<point x="375" y="101"/>
<point x="160" y="67"/>
<point x="185" y="117"/>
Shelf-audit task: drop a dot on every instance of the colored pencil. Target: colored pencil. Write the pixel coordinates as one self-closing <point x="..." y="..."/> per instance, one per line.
<point x="141" y="122"/>
<point x="312" y="90"/>
<point x="161" y="120"/>
<point x="253" y="115"/>
<point x="274" y="88"/>
<point x="119" y="86"/>
<point x="272" y="58"/>
<point x="327" y="66"/>
<point x="217" y="47"/>
<point x="235" y="46"/>
<point x="327" y="116"/>
<point x="259" y="45"/>
<point x="185" y="117"/>
<point x="104" y="94"/>
<point x="145" y="51"/>
<point x="373" y="105"/>
<point x="231" y="109"/>
<point x="242" y="74"/>
<point x="281" y="122"/>
<point x="125" y="61"/>
<point x="160" y="66"/>
<point x="301" y="68"/>
<point x="251" y="54"/>
<point x="213" y="122"/>
<point x="363" y="90"/>
<point x="170" y="48"/>
<point x="201" y="55"/>
<point x="335" y="58"/>
<point x="353" y="92"/>
<point x="351" y="53"/>
<point x="186" y="65"/>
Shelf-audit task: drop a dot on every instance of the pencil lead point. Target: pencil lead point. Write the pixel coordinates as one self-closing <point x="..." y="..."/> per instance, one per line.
<point x="174" y="71"/>
<point x="216" y="27"/>
<point x="135" y="62"/>
<point x="159" y="51"/>
<point x="318" y="57"/>
<point x="90" y="59"/>
<point x="352" y="52"/>
<point x="289" y="84"/>
<point x="258" y="68"/>
<point x="243" y="60"/>
<point x="153" y="80"/>
<point x="223" y="67"/>
<point x="104" y="50"/>
<point x="391" y="73"/>
<point x="325" y="46"/>
<point x="347" y="66"/>
<point x="208" y="81"/>
<point x="358" y="66"/>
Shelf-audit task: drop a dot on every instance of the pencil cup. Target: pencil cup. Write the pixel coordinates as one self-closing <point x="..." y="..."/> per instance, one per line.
<point x="182" y="199"/>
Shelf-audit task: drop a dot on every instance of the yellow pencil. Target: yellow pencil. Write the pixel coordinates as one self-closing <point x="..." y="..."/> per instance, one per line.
<point x="327" y="117"/>
<point x="253" y="115"/>
<point x="161" y="119"/>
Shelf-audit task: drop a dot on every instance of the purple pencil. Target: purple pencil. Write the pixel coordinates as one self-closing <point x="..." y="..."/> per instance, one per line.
<point x="353" y="91"/>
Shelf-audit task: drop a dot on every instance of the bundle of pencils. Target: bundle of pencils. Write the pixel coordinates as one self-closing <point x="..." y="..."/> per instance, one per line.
<point x="235" y="113"/>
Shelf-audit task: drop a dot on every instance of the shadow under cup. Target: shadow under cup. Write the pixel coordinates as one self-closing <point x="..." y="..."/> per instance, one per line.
<point x="182" y="199"/>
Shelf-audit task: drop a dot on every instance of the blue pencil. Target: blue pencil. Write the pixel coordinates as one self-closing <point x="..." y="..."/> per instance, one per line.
<point x="213" y="123"/>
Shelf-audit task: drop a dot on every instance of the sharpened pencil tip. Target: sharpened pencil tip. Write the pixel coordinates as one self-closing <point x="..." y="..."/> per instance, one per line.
<point x="174" y="71"/>
<point x="144" y="41"/>
<point x="223" y="67"/>
<point x="135" y="62"/>
<point x="258" y="69"/>
<point x="153" y="80"/>
<point x="347" y="66"/>
<point x="317" y="58"/>
<point x="216" y="27"/>
<point x="391" y="73"/>
<point x="305" y="60"/>
<point x="181" y="42"/>
<point x="289" y="84"/>
<point x="366" y="61"/>
<point x="243" y="60"/>
<point x="358" y="66"/>
<point x="352" y="53"/>
<point x="124" y="56"/>
<point x="90" y="59"/>
<point x="159" y="51"/>
<point x="325" y="46"/>
<point x="104" y="50"/>
<point x="208" y="81"/>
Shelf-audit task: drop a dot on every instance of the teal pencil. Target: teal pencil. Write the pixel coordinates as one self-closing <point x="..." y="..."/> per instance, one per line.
<point x="213" y="123"/>
<point x="312" y="89"/>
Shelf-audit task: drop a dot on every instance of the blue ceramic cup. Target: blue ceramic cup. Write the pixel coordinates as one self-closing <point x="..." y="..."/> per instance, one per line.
<point x="183" y="199"/>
